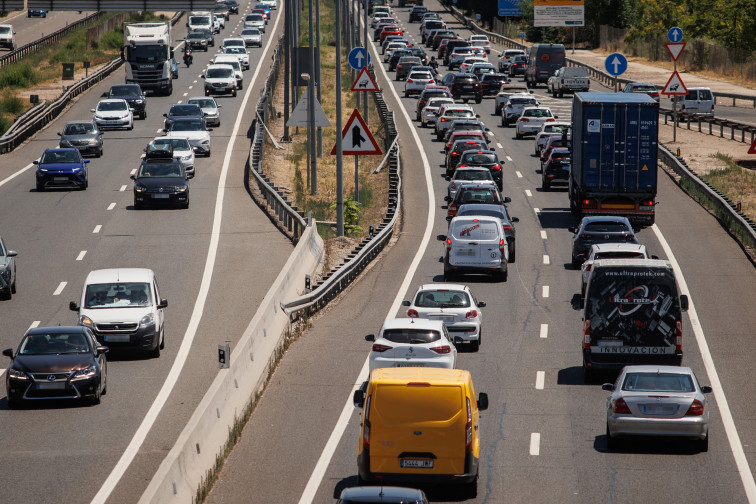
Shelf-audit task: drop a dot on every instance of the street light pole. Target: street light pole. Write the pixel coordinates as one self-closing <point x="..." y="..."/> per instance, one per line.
<point x="311" y="110"/>
<point x="339" y="148"/>
<point x="287" y="37"/>
<point x="320" y="77"/>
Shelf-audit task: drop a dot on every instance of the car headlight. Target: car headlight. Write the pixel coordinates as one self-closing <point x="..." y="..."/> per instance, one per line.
<point x="147" y="320"/>
<point x="186" y="158"/>
<point x="86" y="321"/>
<point x="18" y="375"/>
<point x="182" y="188"/>
<point x="139" y="102"/>
<point x="94" y="141"/>
<point x="65" y="143"/>
<point x="139" y="188"/>
<point x="205" y="142"/>
<point x="85" y="373"/>
<point x="6" y="271"/>
<point x="43" y="170"/>
<point x="98" y="117"/>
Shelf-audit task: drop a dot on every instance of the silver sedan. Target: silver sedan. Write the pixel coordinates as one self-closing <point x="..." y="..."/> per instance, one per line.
<point x="657" y="401"/>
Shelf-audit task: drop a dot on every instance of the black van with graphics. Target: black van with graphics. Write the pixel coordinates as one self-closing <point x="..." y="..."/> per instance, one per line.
<point x="632" y="315"/>
<point x="543" y="59"/>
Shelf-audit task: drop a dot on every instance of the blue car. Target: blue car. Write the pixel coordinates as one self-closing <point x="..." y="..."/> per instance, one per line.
<point x="266" y="8"/>
<point x="61" y="168"/>
<point x="36" y="13"/>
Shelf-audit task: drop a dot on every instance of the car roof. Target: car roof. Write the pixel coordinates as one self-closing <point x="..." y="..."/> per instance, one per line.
<point x="62" y="149"/>
<point x="646" y="368"/>
<point x="56" y="329"/>
<point x="442" y="286"/>
<point x="113" y="100"/>
<point x="483" y="206"/>
<point x="627" y="263"/>
<point x="412" y="323"/>
<point x="119" y="275"/>
<point x="604" y="218"/>
<point x="617" y="247"/>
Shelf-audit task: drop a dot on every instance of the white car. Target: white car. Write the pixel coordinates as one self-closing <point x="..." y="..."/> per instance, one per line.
<point x="241" y="54"/>
<point x="506" y="58"/>
<point x="416" y="82"/>
<point x="182" y="150"/>
<point x="390" y="49"/>
<point x="458" y="55"/>
<point x="194" y="130"/>
<point x="531" y="120"/>
<point x="412" y="342"/>
<point x="233" y="42"/>
<point x="513" y="108"/>
<point x="467" y="64"/>
<point x="506" y="90"/>
<point x="610" y="251"/>
<point x="428" y="114"/>
<point x="220" y="79"/>
<point x="251" y="37"/>
<point x="7" y="38"/>
<point x="480" y="41"/>
<point x="466" y="174"/>
<point x="550" y="129"/>
<point x="480" y="52"/>
<point x="113" y="113"/>
<point x="452" y="304"/>
<point x="448" y="114"/>
<point x="378" y="17"/>
<point x="233" y="61"/>
<point x="220" y="20"/>
<point x="269" y="3"/>
<point x="210" y="109"/>
<point x="255" y="21"/>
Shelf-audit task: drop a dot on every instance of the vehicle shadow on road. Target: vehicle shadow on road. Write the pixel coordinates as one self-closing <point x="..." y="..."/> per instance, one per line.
<point x="556" y="218"/>
<point x="647" y="445"/>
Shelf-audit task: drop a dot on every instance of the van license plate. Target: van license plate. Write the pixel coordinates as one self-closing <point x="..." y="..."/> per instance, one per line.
<point x="466" y="252"/>
<point x="116" y="338"/>
<point x="416" y="463"/>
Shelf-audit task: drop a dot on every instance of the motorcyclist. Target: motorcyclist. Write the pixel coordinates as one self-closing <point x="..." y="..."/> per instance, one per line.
<point x="188" y="58"/>
<point x="433" y="64"/>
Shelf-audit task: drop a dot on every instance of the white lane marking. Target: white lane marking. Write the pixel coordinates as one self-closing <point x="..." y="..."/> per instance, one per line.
<point x="186" y="343"/>
<point x="537" y="211"/>
<point x="19" y="172"/>
<point x="123" y="188"/>
<point x="499" y="145"/>
<point x="528" y="193"/>
<point x="535" y="443"/>
<point x="195" y="82"/>
<point x="185" y="94"/>
<point x="546" y="259"/>
<point x="132" y="172"/>
<point x="540" y="378"/>
<point x="519" y="175"/>
<point x="545" y="291"/>
<point x="81" y="255"/>
<point x="544" y="331"/>
<point x="338" y="431"/>
<point x="34" y="324"/>
<point x="111" y="206"/>
<point x="543" y="234"/>
<point x="729" y="424"/>
<point x="97" y="229"/>
<point x="509" y="158"/>
<point x="61" y="286"/>
<point x="158" y="132"/>
<point x="190" y="87"/>
<point x="181" y="101"/>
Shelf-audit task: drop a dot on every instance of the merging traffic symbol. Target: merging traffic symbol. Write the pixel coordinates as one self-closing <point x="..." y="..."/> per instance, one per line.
<point x="364" y="82"/>
<point x="356" y="139"/>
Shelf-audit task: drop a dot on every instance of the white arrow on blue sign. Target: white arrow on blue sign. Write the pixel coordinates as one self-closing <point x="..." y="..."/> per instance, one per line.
<point x="357" y="58"/>
<point x="615" y="64"/>
<point x="675" y="34"/>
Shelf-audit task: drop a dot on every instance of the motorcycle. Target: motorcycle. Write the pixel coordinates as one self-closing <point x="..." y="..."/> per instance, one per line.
<point x="188" y="58"/>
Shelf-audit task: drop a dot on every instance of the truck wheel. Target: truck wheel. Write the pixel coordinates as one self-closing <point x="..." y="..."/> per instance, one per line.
<point x="478" y="99"/>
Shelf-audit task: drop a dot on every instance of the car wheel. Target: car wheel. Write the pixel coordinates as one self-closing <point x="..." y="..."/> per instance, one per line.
<point x="611" y="443"/>
<point x="474" y="345"/>
<point x="703" y="444"/>
<point x="131" y="126"/>
<point x="85" y="185"/>
<point x="40" y="187"/>
<point x="155" y="353"/>
<point x="517" y="135"/>
<point x="588" y="374"/>
<point x="13" y="403"/>
<point x="144" y="115"/>
<point x="512" y="255"/>
<point x="545" y="186"/>
<point x="233" y="93"/>
<point x="99" y="153"/>
<point x="471" y="489"/>
<point x="504" y="275"/>
<point x="478" y="99"/>
<point x="138" y="206"/>
<point x="8" y="295"/>
<point x="406" y="94"/>
<point x="576" y="262"/>
<point x="13" y="286"/>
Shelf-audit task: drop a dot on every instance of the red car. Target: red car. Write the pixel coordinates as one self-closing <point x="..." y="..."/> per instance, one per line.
<point x="464" y="135"/>
<point x="390" y="30"/>
<point x="262" y="13"/>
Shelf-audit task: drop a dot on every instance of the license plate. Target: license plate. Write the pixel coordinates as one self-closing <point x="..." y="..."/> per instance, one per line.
<point x="466" y="252"/>
<point x="409" y="364"/>
<point x="416" y="463"/>
<point x="112" y="121"/>
<point x="51" y="386"/>
<point x="60" y="179"/>
<point x="117" y="338"/>
<point x="658" y="409"/>
<point x="161" y="196"/>
<point x="467" y="87"/>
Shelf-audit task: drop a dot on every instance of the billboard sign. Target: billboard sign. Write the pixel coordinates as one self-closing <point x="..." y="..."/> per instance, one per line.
<point x="509" y="8"/>
<point x="558" y="12"/>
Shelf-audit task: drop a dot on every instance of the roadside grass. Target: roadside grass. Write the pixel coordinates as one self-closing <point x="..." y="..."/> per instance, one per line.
<point x="736" y="182"/>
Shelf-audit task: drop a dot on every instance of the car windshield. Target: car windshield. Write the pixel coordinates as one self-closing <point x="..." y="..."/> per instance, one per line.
<point x="188" y="126"/>
<point x="522" y="101"/>
<point x="54" y="344"/>
<point x="123" y="294"/>
<point x="619" y="255"/>
<point x="250" y="32"/>
<point x="477" y="195"/>
<point x="112" y="106"/>
<point x="658" y="382"/>
<point x="254" y="17"/>
<point x="199" y="20"/>
<point x="195" y="36"/>
<point x="420" y="75"/>
<point x="59" y="157"/>
<point x="472" y="175"/>
<point x="147" y="53"/>
<point x="485" y="212"/>
<point x="184" y="111"/>
<point x="176" y="143"/>
<point x="557" y="128"/>
<point x="442" y="299"/>
<point x="235" y="50"/>
<point x="160" y="169"/>
<point x="606" y="227"/>
<point x="485" y="69"/>
<point x="5" y="30"/>
<point x="219" y="73"/>
<point x="478" y="158"/>
<point x="411" y="336"/>
<point x="204" y="102"/>
<point x="643" y="88"/>
<point x="78" y="129"/>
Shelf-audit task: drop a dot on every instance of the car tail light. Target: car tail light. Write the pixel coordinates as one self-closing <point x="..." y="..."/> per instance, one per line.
<point x="442" y="350"/>
<point x="366" y="425"/>
<point x="453" y="209"/>
<point x="454" y="153"/>
<point x="696" y="408"/>
<point x="550" y="119"/>
<point x="588" y="267"/>
<point x="377" y="347"/>
<point x="502" y="246"/>
<point x="471" y="314"/>
<point x="443" y="119"/>
<point x="413" y="313"/>
<point x="678" y="336"/>
<point x="590" y="203"/>
<point x="587" y="334"/>
<point x="448" y="245"/>
<point x="524" y="119"/>
<point x="506" y="227"/>
<point x="410" y="80"/>
<point x="431" y="82"/>
<point x="468" y="428"/>
<point x="620" y="406"/>
<point x="496" y="167"/>
<point x="462" y="166"/>
<point x="453" y="186"/>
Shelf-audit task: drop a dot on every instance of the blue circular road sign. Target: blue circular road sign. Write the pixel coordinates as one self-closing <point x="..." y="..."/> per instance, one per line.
<point x="522" y="35"/>
<point x="615" y="64"/>
<point x="357" y="58"/>
<point x="675" y="34"/>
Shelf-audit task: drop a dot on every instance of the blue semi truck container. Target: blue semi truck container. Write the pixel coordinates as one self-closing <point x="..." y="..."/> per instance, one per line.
<point x="614" y="155"/>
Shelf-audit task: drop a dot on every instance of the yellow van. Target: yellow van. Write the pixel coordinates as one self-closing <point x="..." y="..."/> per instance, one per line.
<point x="420" y="425"/>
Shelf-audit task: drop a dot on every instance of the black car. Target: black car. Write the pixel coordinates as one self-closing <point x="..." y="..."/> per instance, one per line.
<point x="427" y="94"/>
<point x="133" y="94"/>
<point x="491" y="83"/>
<point x="599" y="229"/>
<point x="465" y="125"/>
<point x="233" y="6"/>
<point x="221" y="9"/>
<point x="418" y="52"/>
<point x="60" y="362"/>
<point x="486" y="159"/>
<point x="517" y="66"/>
<point x="161" y="179"/>
<point x="197" y="40"/>
<point x="382" y="495"/>
<point x="394" y="59"/>
<point x="84" y="136"/>
<point x="404" y="65"/>
<point x="556" y="168"/>
<point x="417" y="13"/>
<point x="458" y="149"/>
<point x="181" y="110"/>
<point x="499" y="211"/>
<point x="208" y="34"/>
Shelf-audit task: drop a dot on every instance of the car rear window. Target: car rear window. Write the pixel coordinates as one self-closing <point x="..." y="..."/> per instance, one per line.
<point x="658" y="382"/>
<point x="411" y="336"/>
<point x="521" y="101"/>
<point x="477" y="158"/>
<point x="537" y="113"/>
<point x="442" y="299"/>
<point x="475" y="229"/>
<point x="619" y="255"/>
<point x="465" y="80"/>
<point x="606" y="227"/>
<point x="399" y="403"/>
<point x="462" y="174"/>
<point x="459" y="113"/>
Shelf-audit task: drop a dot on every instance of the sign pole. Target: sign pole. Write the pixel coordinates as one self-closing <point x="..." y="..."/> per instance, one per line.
<point x="365" y="39"/>
<point x="339" y="148"/>
<point x="674" y="113"/>
<point x="311" y="97"/>
<point x="320" y="77"/>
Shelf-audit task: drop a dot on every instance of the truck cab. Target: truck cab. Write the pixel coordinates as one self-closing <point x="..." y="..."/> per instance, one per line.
<point x="149" y="55"/>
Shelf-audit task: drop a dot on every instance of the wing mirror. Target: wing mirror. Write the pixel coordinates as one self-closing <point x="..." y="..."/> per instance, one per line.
<point x="684" y="302"/>
<point x="8" y="352"/>
<point x="507" y="199"/>
<point x="370" y="337"/>
<point x="441" y="237"/>
<point x="73" y="306"/>
<point x="406" y="303"/>
<point x="609" y="387"/>
<point x="358" y="398"/>
<point x="482" y="401"/>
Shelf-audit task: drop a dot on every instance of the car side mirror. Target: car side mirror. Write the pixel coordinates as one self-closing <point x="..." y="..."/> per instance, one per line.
<point x="572" y="229"/>
<point x="86" y="161"/>
<point x="102" y="349"/>
<point x="507" y="199"/>
<point x="209" y="129"/>
<point x="163" y="303"/>
<point x="92" y="110"/>
<point x="406" y="303"/>
<point x="706" y="389"/>
<point x="132" y="177"/>
<point x="447" y="198"/>
<point x="370" y="337"/>
<point x="190" y="175"/>
<point x="482" y="401"/>
<point x="104" y="95"/>
<point x="73" y="306"/>
<point x="441" y="237"/>
<point x="358" y="398"/>
<point x="60" y="134"/>
<point x="654" y="257"/>
<point x="514" y="220"/>
<point x="481" y="304"/>
<point x="165" y="115"/>
<point x="477" y="115"/>
<point x="609" y="387"/>
<point x="35" y="162"/>
<point x="486" y="128"/>
<point x="556" y="117"/>
<point x="684" y="302"/>
<point x="203" y="76"/>
<point x="8" y="352"/>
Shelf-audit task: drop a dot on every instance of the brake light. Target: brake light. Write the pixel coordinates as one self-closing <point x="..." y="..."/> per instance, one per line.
<point x="589" y="203"/>
<point x="496" y="167"/>
<point x="455" y="153"/>
<point x="468" y="428"/>
<point x="442" y="350"/>
<point x="696" y="408"/>
<point x="587" y="334"/>
<point x="678" y="336"/>
<point x="550" y="119"/>
<point x="410" y="80"/>
<point x="502" y="246"/>
<point x="377" y="347"/>
<point x="453" y="209"/>
<point x="471" y="314"/>
<point x="448" y="245"/>
<point x="443" y="119"/>
<point x="462" y="166"/>
<point x="366" y="425"/>
<point x="431" y="81"/>
<point x="524" y="119"/>
<point x="506" y="227"/>
<point x="620" y="406"/>
<point x="588" y="267"/>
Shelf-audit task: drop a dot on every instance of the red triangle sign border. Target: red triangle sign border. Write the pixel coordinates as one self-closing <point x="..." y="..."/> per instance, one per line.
<point x="752" y="150"/>
<point x="356" y="116"/>
<point x="672" y="47"/>
<point x="667" y="91"/>
<point x="359" y="77"/>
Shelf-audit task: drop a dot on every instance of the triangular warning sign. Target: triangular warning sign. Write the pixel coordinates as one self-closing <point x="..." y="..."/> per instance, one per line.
<point x="752" y="150"/>
<point x="675" y="49"/>
<point x="675" y="85"/>
<point x="356" y="139"/>
<point x="299" y="114"/>
<point x="364" y="82"/>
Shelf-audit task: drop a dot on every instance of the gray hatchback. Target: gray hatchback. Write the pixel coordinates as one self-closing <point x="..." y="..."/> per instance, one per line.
<point x="84" y="136"/>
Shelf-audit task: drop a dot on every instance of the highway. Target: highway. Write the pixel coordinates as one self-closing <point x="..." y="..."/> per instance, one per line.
<point x="539" y="445"/>
<point x="214" y="263"/>
<point x="30" y="29"/>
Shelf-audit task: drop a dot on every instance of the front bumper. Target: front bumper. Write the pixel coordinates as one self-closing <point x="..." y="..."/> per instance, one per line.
<point x="85" y="149"/>
<point x="113" y="123"/>
<point x="199" y="146"/>
<point x="155" y="197"/>
<point x="62" y="180"/>
<point x="42" y="389"/>
<point x="133" y="336"/>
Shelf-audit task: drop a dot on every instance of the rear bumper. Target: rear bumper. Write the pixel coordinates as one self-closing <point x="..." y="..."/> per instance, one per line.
<point x="615" y="362"/>
<point x="695" y="427"/>
<point x="363" y="465"/>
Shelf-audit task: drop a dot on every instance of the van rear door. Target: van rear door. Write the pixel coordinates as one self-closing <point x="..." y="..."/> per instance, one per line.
<point x="476" y="243"/>
<point x="418" y="428"/>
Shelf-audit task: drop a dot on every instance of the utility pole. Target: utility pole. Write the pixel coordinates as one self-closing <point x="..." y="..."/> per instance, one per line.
<point x="320" y="77"/>
<point x="367" y="57"/>
<point x="311" y="98"/>
<point x="339" y="148"/>
<point x="287" y="37"/>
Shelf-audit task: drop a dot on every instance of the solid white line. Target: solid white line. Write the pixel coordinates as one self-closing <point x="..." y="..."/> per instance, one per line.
<point x="545" y="291"/>
<point x="546" y="259"/>
<point x="111" y="206"/>
<point x="97" y="229"/>
<point x="729" y="424"/>
<point x="35" y="324"/>
<point x="544" y="331"/>
<point x="543" y="234"/>
<point x="528" y="193"/>
<point x="519" y="175"/>
<point x="19" y="172"/>
<point x="540" y="378"/>
<point x="535" y="443"/>
<point x="81" y="255"/>
<point x="123" y="188"/>
<point x="338" y="431"/>
<point x="186" y="343"/>
<point x="61" y="286"/>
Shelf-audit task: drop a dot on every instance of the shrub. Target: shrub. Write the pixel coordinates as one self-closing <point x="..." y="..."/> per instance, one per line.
<point x="111" y="40"/>
<point x="18" y="75"/>
<point x="11" y="105"/>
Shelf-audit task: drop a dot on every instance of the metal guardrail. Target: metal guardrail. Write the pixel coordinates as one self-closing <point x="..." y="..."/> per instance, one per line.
<point x="724" y="128"/>
<point x="726" y="210"/>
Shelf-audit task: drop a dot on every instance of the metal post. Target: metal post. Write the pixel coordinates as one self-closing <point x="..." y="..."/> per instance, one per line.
<point x="339" y="149"/>
<point x="320" y="98"/>
<point x="674" y="113"/>
<point x="287" y="35"/>
<point x="364" y="46"/>
<point x="573" y="40"/>
<point x="357" y="178"/>
<point x="311" y="108"/>
<point x="365" y="37"/>
<point x="294" y="23"/>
